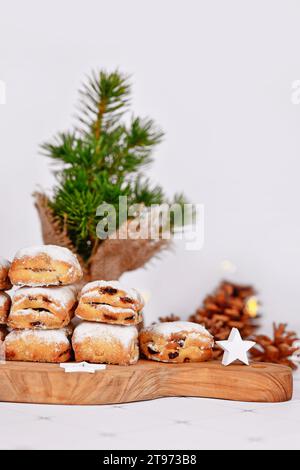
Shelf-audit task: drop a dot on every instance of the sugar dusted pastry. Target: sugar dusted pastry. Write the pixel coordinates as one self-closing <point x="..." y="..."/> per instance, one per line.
<point x="42" y="307"/>
<point x="176" y="342"/>
<point x="100" y="343"/>
<point x="5" y="283"/>
<point x="38" y="346"/>
<point x="46" y="265"/>
<point x="110" y="302"/>
<point x="5" y="303"/>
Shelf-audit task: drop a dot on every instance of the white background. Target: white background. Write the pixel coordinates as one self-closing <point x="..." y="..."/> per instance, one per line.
<point x="217" y="76"/>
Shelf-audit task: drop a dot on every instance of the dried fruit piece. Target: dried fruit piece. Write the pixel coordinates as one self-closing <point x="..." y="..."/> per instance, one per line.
<point x="173" y="355"/>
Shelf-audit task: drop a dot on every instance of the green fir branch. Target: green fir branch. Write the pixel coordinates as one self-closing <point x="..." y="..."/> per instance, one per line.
<point x="102" y="159"/>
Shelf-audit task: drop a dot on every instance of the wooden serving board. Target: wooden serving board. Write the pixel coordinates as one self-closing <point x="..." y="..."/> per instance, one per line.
<point x="22" y="382"/>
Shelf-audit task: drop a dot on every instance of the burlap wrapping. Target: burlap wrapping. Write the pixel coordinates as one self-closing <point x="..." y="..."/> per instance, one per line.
<point x="112" y="258"/>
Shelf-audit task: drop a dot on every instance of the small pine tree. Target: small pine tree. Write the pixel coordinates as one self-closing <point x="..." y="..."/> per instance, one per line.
<point x="102" y="159"/>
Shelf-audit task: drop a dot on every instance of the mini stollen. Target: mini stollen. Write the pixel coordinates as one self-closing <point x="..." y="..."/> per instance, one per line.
<point x="105" y="344"/>
<point x="38" y="346"/>
<point x="42" y="307"/>
<point x="43" y="266"/>
<point x="110" y="302"/>
<point x="177" y="341"/>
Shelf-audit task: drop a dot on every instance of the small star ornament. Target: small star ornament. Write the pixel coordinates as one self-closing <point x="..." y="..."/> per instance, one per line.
<point x="235" y="348"/>
<point x="84" y="367"/>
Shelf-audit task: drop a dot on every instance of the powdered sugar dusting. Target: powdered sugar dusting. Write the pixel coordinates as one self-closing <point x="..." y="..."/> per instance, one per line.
<point x="110" y="308"/>
<point x="61" y="295"/>
<point x="95" y="284"/>
<point x="107" y="333"/>
<point x="4" y="263"/>
<point x="45" y="336"/>
<point x="57" y="253"/>
<point x="29" y="311"/>
<point x="169" y="328"/>
<point x="130" y="292"/>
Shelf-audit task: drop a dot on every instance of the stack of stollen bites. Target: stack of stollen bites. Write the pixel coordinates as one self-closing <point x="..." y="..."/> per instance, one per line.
<point x="108" y="334"/>
<point x="5" y="301"/>
<point x="43" y="304"/>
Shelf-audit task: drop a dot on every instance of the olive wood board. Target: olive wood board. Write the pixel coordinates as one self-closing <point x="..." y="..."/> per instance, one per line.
<point x="24" y="382"/>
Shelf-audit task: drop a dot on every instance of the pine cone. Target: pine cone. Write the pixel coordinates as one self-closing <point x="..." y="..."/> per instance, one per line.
<point x="227" y="308"/>
<point x="169" y="318"/>
<point x="278" y="350"/>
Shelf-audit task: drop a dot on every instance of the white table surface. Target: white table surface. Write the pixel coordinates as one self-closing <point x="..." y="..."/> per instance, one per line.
<point x="172" y="423"/>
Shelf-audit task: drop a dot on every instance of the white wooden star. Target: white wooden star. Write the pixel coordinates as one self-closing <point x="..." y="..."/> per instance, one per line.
<point x="82" y="367"/>
<point x="235" y="348"/>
